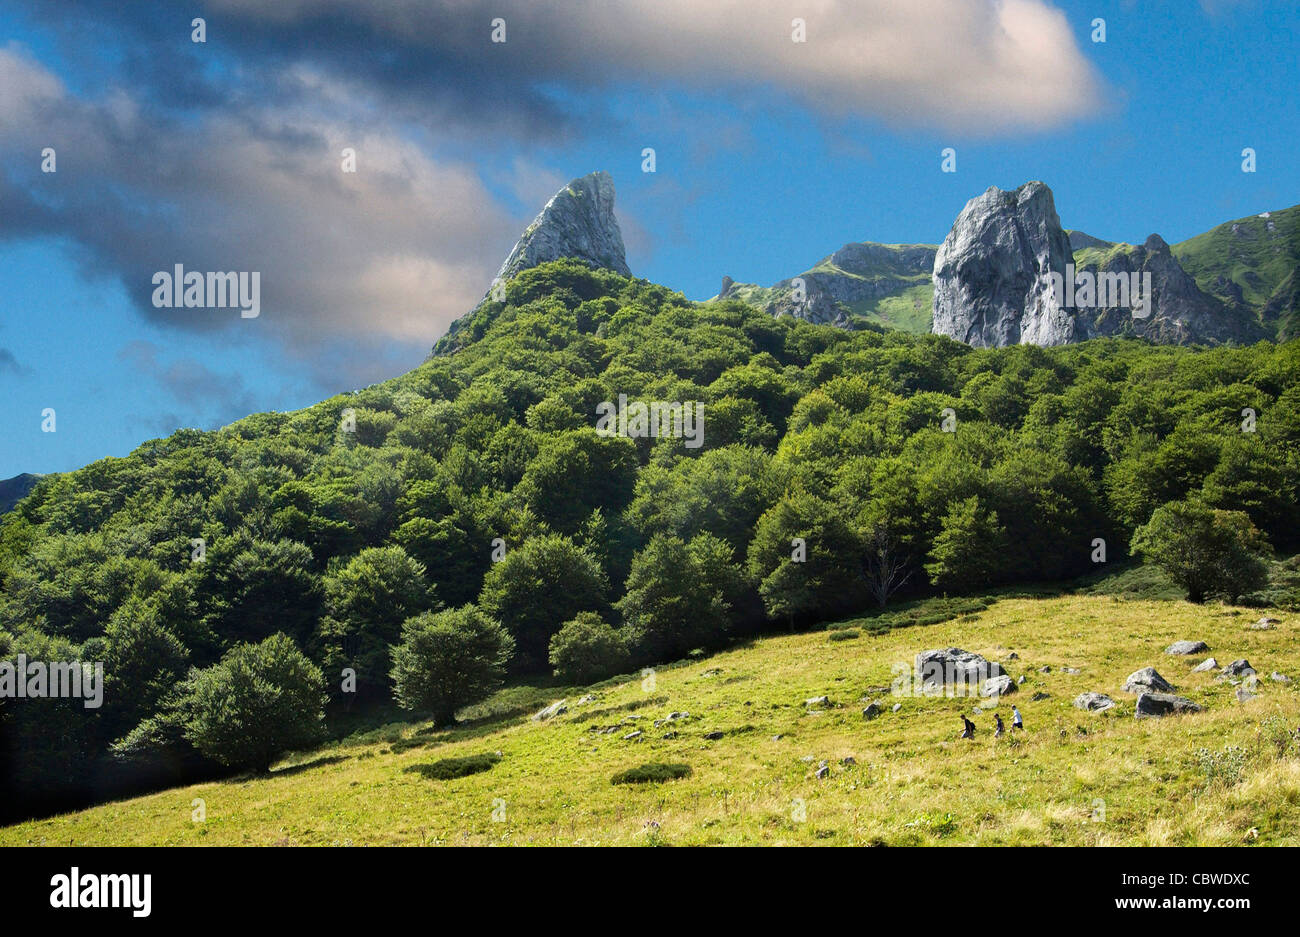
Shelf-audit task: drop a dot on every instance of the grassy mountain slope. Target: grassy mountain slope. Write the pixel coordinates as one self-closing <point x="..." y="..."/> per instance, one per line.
<point x="886" y="284"/>
<point x="1252" y="260"/>
<point x="1072" y="777"/>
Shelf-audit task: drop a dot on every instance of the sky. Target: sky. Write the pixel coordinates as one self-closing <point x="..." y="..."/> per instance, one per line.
<point x="227" y="155"/>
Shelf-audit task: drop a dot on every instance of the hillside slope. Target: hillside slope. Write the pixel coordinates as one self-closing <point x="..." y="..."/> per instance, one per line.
<point x="1071" y="778"/>
<point x="1252" y="261"/>
<point x="888" y="284"/>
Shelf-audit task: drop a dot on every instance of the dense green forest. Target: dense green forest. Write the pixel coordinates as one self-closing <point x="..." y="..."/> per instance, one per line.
<point x="436" y="533"/>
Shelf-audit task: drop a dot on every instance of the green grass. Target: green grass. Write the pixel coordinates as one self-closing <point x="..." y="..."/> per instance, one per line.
<point x="1098" y="257"/>
<point x="1073" y="777"/>
<point x="1259" y="261"/>
<point x="911" y="310"/>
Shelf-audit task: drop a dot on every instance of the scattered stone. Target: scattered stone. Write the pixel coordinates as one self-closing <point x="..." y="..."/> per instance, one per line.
<point x="712" y="672"/>
<point x="1238" y="668"/>
<point x="1206" y="666"/>
<point x="550" y="712"/>
<point x="871" y="712"/>
<point x="713" y="736"/>
<point x="1044" y="669"/>
<point x="777" y="737"/>
<point x="1013" y="656"/>
<point x="1146" y="679"/>
<point x="632" y="736"/>
<point x="848" y="761"/>
<point x="1039" y="697"/>
<point x="1071" y="670"/>
<point x="1162" y="704"/>
<point x="1093" y="702"/>
<point x="1187" y="647"/>
<point x="1244" y="695"/>
<point x="998" y="686"/>
<point x="589" y="698"/>
<point x="670" y="735"/>
<point x="1020" y="680"/>
<point x="897" y="707"/>
<point x="1265" y="624"/>
<point x="1279" y="677"/>
<point x="818" y="701"/>
<point x="823" y="771"/>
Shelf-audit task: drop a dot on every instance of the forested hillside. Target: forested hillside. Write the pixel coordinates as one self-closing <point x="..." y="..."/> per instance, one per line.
<point x="905" y="464"/>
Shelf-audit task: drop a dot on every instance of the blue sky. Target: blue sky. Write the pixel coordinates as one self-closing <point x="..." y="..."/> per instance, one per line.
<point x="224" y="155"/>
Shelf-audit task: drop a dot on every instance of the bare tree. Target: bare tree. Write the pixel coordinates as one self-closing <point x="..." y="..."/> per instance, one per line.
<point x="886" y="567"/>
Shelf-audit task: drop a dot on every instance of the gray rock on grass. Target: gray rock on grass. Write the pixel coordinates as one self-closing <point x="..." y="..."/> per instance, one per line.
<point x="1162" y="704"/>
<point x="1147" y="679"/>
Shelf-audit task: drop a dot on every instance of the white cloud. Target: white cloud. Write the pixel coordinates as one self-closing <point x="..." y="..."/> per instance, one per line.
<point x="970" y="65"/>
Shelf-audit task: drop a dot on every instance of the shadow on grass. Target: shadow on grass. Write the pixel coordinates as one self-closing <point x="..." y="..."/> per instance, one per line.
<point x="308" y="765"/>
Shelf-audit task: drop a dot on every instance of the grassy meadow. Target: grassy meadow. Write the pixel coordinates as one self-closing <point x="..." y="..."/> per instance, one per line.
<point x="1227" y="776"/>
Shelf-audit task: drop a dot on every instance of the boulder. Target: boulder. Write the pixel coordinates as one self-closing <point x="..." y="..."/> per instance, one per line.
<point x="942" y="668"/>
<point x="632" y="736"/>
<point x="550" y="712"/>
<point x="1206" y="665"/>
<point x="1093" y="702"/>
<point x="997" y="686"/>
<point x="1147" y="679"/>
<point x="1187" y="647"/>
<point x="1162" y="704"/>
<point x="1238" y="668"/>
<point x="818" y="701"/>
<point x="1265" y="624"/>
<point x="871" y="711"/>
<point x="1279" y="677"/>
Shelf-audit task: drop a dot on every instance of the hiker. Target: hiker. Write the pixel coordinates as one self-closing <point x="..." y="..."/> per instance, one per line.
<point x="969" y="731"/>
<point x="997" y="733"/>
<point x="1016" y="721"/>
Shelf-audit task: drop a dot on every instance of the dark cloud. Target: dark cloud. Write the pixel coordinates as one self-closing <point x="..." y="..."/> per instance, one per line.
<point x="9" y="364"/>
<point x="210" y="398"/>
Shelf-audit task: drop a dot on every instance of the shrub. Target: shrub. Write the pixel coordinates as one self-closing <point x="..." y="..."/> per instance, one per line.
<point x="587" y="649"/>
<point x="843" y="634"/>
<point x="259" y="701"/>
<point x="652" y="773"/>
<point x="1224" y="768"/>
<point x="448" y="660"/>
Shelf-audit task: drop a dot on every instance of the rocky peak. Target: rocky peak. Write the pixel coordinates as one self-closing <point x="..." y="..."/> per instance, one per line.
<point x="577" y="222"/>
<point x="992" y="274"/>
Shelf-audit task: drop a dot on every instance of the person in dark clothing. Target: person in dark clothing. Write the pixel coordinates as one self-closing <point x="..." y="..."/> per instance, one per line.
<point x="969" y="731"/>
<point x="997" y="733"/>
